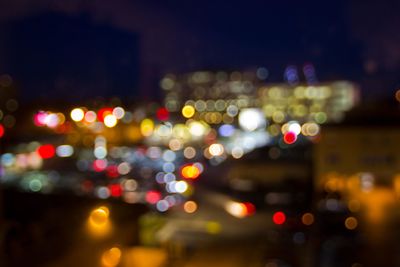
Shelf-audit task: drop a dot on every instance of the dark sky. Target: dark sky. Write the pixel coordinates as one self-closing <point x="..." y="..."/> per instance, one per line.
<point x="121" y="47"/>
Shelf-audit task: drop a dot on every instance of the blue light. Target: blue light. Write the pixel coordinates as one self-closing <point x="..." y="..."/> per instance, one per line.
<point x="226" y="130"/>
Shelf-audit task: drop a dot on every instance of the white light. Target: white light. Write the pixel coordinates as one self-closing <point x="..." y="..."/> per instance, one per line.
<point x="237" y="152"/>
<point x="168" y="167"/>
<point x="196" y="128"/>
<point x="181" y="186"/>
<point x="130" y="185"/>
<point x="295" y="127"/>
<point x="252" y="119"/>
<point x="124" y="168"/>
<point x="118" y="112"/>
<point x="110" y="121"/>
<point x="232" y="110"/>
<point x="189" y="152"/>
<point x="64" y="151"/>
<point x="103" y="192"/>
<point x="100" y="152"/>
<point x="164" y="130"/>
<point x="100" y="141"/>
<point x="216" y="149"/>
<point x="51" y="120"/>
<point x="162" y="205"/>
<point x="77" y="114"/>
<point x="169" y="155"/>
<point x="236" y="209"/>
<point x="170" y="187"/>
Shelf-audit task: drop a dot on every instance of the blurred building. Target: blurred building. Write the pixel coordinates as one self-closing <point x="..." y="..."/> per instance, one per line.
<point x="221" y="91"/>
<point x="356" y="163"/>
<point x="363" y="151"/>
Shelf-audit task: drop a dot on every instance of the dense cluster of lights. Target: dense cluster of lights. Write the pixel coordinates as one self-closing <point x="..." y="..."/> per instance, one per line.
<point x="174" y="155"/>
<point x="228" y="115"/>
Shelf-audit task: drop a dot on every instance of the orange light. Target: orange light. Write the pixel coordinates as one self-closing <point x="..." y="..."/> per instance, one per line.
<point x="190" y="172"/>
<point x="111" y="257"/>
<point x="99" y="216"/>
<point x="250" y="208"/>
<point x="98" y="223"/>
<point x="190" y="206"/>
<point x="351" y="223"/>
<point x="307" y="218"/>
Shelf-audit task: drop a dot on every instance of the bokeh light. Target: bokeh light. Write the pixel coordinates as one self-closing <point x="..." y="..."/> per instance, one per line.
<point x="190" y="206"/>
<point x="190" y="172"/>
<point x="111" y="257"/>
<point x="46" y="151"/>
<point x="279" y="218"/>
<point x="110" y="120"/>
<point x="77" y="114"/>
<point x="351" y="223"/>
<point x="188" y="111"/>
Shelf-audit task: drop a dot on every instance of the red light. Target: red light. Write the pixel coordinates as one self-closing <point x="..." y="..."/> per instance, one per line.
<point x="279" y="217"/>
<point x="99" y="165"/>
<point x="1" y="130"/>
<point x="153" y="197"/>
<point x="250" y="208"/>
<point x="112" y="171"/>
<point x="46" y="151"/>
<point x="162" y="114"/>
<point x="115" y="190"/>
<point x="39" y="119"/>
<point x="102" y="113"/>
<point x="290" y="138"/>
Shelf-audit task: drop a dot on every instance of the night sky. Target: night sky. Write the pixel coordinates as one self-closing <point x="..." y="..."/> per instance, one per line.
<point x="82" y="49"/>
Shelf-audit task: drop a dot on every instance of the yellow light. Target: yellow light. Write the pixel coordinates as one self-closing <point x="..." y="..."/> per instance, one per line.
<point x="278" y="116"/>
<point x="213" y="227"/>
<point x="190" y="206"/>
<point x="77" y="114"/>
<point x="188" y="111"/>
<point x="351" y="223"/>
<point x="147" y="127"/>
<point x="110" y="120"/>
<point x="111" y="257"/>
